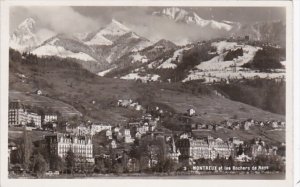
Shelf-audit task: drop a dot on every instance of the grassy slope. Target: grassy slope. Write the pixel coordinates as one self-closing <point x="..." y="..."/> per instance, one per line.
<point x="16" y="134"/>
<point x="208" y="106"/>
<point x="72" y="87"/>
<point x="80" y="88"/>
<point x="44" y="102"/>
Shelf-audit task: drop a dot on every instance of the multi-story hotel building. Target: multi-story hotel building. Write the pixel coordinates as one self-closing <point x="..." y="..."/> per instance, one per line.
<point x="17" y="114"/>
<point x="81" y="146"/>
<point x="209" y="148"/>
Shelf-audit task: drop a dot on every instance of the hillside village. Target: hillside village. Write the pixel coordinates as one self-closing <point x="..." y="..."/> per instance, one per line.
<point x="106" y="148"/>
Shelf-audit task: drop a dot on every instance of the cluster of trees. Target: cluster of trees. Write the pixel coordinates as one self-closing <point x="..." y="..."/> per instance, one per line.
<point x="262" y="93"/>
<point x="196" y="87"/>
<point x="145" y="155"/>
<point x="267" y="58"/>
<point x="232" y="54"/>
<point x="30" y="158"/>
<point x="190" y="59"/>
<point x="35" y="159"/>
<point x="41" y="64"/>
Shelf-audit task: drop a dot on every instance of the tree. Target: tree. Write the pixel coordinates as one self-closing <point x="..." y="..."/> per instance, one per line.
<point x="56" y="163"/>
<point x="118" y="168"/>
<point x="144" y="162"/>
<point x="26" y="149"/>
<point x="267" y="58"/>
<point x="168" y="165"/>
<point x="240" y="150"/>
<point x="70" y="161"/>
<point x="39" y="165"/>
<point x="100" y="166"/>
<point x="231" y="161"/>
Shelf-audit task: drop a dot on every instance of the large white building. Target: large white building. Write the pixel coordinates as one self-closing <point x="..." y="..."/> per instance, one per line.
<point x="81" y="146"/>
<point x="18" y="115"/>
<point x="209" y="148"/>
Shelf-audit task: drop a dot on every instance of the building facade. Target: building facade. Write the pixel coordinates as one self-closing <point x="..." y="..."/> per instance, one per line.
<point x="81" y="146"/>
<point x="50" y="118"/>
<point x="17" y="114"/>
<point x="35" y="119"/>
<point x="209" y="148"/>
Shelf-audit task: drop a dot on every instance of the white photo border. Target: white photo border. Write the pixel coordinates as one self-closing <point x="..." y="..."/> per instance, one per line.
<point x="288" y="181"/>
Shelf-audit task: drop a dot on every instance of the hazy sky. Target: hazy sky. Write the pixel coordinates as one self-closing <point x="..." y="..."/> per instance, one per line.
<point x="85" y="19"/>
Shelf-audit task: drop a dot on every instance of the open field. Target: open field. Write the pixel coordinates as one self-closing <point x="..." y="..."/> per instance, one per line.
<point x="208" y="106"/>
<point x="17" y="133"/>
<point x="43" y="101"/>
<point x="214" y="108"/>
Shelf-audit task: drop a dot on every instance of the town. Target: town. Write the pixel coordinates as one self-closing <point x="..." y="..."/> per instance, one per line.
<point x="143" y="145"/>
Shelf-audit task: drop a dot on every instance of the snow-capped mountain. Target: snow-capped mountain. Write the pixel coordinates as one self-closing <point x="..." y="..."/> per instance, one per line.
<point x="114" y="30"/>
<point x="24" y="37"/>
<point x="126" y="43"/>
<point x="171" y="62"/>
<point x="161" y="49"/>
<point x="64" y="47"/>
<point x="81" y="35"/>
<point x="115" y="50"/>
<point x="99" y="39"/>
<point x="108" y="34"/>
<point x="115" y="40"/>
<point x="156" y="53"/>
<point x="184" y="16"/>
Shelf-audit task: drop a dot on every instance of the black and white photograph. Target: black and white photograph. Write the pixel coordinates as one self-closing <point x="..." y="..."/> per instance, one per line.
<point x="147" y="92"/>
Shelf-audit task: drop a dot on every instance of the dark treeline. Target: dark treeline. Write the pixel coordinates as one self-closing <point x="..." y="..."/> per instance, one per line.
<point x="262" y="93"/>
<point x="231" y="54"/>
<point x="267" y="58"/>
<point x="191" y="59"/>
<point x="37" y="64"/>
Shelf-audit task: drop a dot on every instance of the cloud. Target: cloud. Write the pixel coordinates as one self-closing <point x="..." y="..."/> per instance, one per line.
<point x="141" y="21"/>
<point x="155" y="28"/>
<point x="62" y="19"/>
<point x="44" y="34"/>
<point x="86" y="19"/>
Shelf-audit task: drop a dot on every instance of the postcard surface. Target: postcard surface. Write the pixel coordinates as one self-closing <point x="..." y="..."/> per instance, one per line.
<point x="131" y="92"/>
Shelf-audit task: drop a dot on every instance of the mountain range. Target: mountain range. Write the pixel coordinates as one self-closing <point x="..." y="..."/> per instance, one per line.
<point x="188" y="17"/>
<point x="117" y="45"/>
